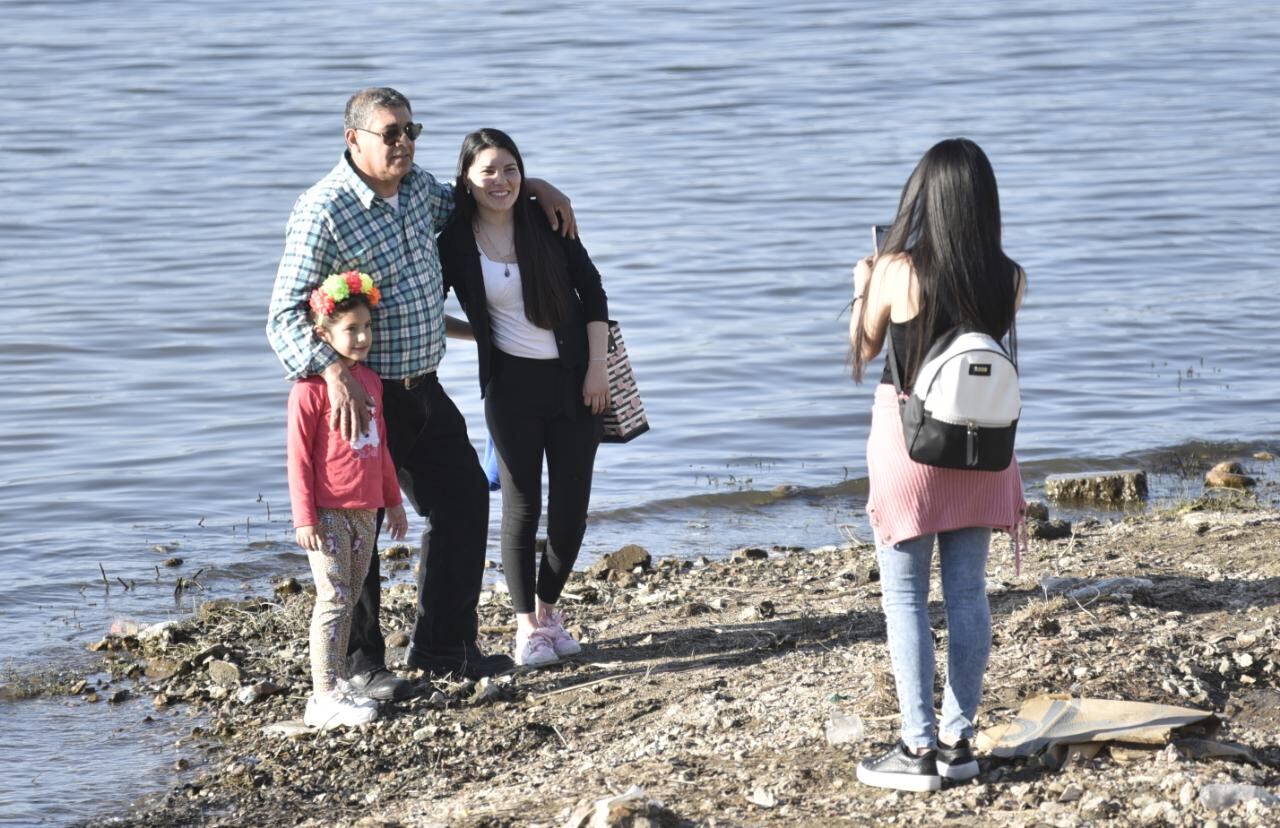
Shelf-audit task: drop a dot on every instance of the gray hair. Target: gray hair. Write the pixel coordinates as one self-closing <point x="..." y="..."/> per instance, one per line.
<point x="361" y="105"/>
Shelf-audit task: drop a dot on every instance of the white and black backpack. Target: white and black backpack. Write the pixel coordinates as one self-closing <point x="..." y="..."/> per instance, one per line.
<point x="963" y="409"/>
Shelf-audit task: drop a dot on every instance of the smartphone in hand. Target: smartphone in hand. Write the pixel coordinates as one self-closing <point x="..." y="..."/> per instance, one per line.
<point x="879" y="232"/>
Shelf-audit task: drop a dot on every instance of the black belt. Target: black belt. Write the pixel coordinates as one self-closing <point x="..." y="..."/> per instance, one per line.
<point x="411" y="383"/>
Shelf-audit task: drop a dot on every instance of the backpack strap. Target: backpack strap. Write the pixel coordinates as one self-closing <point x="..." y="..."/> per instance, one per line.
<point x="940" y="344"/>
<point x="937" y="346"/>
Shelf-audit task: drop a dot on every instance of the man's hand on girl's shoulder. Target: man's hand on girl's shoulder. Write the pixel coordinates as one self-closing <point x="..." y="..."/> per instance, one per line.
<point x="350" y="406"/>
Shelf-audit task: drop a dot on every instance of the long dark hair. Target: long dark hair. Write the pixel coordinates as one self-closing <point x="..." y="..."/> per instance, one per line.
<point x="948" y="225"/>
<point x="543" y="270"/>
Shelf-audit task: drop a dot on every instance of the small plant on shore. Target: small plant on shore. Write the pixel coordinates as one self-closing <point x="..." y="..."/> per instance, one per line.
<point x="1182" y="463"/>
<point x="1037" y="617"/>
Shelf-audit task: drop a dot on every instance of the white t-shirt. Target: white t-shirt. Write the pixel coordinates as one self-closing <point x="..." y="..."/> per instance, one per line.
<point x="513" y="333"/>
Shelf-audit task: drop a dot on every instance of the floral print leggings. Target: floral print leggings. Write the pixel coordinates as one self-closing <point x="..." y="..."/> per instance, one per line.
<point x="339" y="571"/>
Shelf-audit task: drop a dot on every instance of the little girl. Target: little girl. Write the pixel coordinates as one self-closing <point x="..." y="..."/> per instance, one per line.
<point x="336" y="488"/>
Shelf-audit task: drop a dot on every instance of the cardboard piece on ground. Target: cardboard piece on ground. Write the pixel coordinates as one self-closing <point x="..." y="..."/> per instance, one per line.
<point x="1053" y="723"/>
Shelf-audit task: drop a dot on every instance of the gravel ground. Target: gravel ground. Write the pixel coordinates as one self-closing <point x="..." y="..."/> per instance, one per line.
<point x="709" y="685"/>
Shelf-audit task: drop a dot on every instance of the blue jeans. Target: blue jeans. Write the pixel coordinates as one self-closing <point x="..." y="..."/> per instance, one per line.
<point x="904" y="582"/>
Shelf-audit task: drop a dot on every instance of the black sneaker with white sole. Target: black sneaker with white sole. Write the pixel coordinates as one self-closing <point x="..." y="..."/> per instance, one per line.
<point x="956" y="761"/>
<point x="901" y="769"/>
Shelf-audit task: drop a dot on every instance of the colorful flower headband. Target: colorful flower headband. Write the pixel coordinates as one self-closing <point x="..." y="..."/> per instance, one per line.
<point x="340" y="287"/>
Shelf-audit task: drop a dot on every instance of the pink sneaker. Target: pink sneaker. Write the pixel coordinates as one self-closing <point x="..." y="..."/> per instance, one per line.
<point x="561" y="641"/>
<point x="535" y="649"/>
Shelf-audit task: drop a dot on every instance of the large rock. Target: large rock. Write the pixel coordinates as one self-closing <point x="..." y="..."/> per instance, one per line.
<point x="1228" y="476"/>
<point x="625" y="559"/>
<point x="159" y="669"/>
<point x="286" y="587"/>
<point x="1049" y="529"/>
<point x="1115" y="488"/>
<point x="398" y="552"/>
<point x="224" y="673"/>
<point x="1037" y="510"/>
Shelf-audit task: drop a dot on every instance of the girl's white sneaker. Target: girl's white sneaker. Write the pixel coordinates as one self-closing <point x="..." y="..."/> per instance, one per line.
<point x="329" y="710"/>
<point x="353" y="695"/>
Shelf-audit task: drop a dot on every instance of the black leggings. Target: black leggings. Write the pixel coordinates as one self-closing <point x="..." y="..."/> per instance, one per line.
<point x="534" y="408"/>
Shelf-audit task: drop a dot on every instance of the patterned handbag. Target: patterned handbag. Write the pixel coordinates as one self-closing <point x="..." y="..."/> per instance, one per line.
<point x="625" y="419"/>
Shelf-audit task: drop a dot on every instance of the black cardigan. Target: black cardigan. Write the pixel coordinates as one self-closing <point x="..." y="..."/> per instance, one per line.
<point x="460" y="260"/>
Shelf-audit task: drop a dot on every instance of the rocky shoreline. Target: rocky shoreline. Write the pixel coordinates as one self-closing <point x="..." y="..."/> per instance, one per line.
<point x="743" y="692"/>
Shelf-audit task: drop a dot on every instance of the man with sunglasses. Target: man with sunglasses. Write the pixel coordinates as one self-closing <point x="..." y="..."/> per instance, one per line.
<point x="378" y="213"/>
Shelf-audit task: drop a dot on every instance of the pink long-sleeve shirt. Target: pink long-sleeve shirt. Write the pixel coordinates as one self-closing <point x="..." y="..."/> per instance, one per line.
<point x="328" y="472"/>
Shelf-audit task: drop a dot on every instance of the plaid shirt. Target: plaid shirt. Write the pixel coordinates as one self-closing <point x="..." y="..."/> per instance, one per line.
<point x="340" y="224"/>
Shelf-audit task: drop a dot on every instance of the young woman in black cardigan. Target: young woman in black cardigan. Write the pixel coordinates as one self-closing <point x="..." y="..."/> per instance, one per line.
<point x="539" y="317"/>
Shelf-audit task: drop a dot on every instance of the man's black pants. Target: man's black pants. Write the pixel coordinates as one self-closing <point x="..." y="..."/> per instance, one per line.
<point x="442" y="479"/>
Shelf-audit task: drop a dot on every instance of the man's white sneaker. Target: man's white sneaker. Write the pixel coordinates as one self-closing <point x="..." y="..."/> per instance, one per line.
<point x="561" y="641"/>
<point x="534" y="649"/>
<point x="329" y="710"/>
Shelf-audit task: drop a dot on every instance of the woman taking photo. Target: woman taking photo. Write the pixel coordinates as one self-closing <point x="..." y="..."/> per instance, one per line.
<point x="539" y="317"/>
<point x="941" y="266"/>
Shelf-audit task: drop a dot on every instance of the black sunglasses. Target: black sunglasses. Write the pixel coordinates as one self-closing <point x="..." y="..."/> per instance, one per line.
<point x="392" y="134"/>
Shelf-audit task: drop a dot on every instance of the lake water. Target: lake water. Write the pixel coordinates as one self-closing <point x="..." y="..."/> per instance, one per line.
<point x="726" y="162"/>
